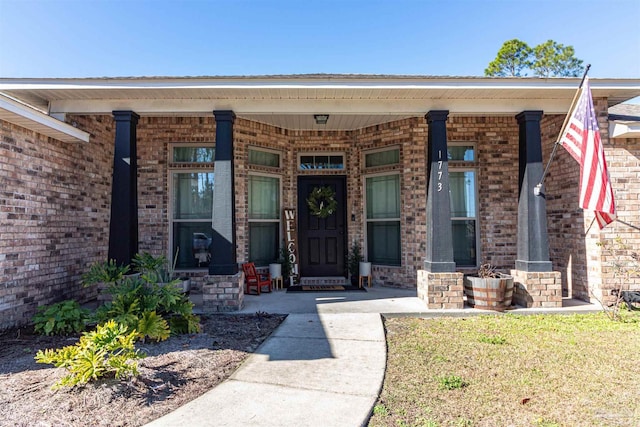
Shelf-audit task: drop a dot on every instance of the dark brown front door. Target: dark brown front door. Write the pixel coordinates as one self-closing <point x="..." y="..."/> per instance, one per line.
<point x="322" y="240"/>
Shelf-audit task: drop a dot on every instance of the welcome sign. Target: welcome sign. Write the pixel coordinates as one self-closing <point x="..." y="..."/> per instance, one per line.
<point x="291" y="241"/>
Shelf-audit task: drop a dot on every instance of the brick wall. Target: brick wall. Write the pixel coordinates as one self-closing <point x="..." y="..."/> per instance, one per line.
<point x="55" y="200"/>
<point x="497" y="171"/>
<point x="54" y="210"/>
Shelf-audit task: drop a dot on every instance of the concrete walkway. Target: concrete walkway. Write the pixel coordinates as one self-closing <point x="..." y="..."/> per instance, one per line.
<point x="323" y="366"/>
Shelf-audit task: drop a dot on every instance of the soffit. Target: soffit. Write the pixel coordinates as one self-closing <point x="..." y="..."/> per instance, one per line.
<point x="290" y="101"/>
<point x="29" y="118"/>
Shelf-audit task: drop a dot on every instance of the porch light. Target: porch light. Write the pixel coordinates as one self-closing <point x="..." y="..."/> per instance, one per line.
<point x="321" y="119"/>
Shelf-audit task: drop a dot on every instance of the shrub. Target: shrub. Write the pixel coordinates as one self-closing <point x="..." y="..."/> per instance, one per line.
<point x="154" y="310"/>
<point x="105" y="272"/>
<point x="63" y="318"/>
<point x="108" y="350"/>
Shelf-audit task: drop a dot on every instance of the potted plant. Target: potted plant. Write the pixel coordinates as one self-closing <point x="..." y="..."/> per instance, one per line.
<point x="490" y="290"/>
<point x="354" y="260"/>
<point x="286" y="265"/>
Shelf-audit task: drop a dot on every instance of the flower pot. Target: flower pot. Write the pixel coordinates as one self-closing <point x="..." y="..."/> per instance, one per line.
<point x="365" y="268"/>
<point x="489" y="293"/>
<point x="275" y="270"/>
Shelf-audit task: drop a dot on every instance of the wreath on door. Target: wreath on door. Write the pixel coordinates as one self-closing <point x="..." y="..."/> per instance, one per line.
<point x="322" y="202"/>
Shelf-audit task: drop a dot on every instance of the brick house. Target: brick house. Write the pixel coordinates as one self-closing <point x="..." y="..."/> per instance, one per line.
<point x="432" y="175"/>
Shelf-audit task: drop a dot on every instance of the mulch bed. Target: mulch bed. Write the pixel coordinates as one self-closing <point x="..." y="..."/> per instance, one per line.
<point x="174" y="372"/>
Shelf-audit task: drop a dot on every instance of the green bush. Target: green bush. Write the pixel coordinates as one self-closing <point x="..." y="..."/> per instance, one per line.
<point x="154" y="310"/>
<point x="106" y="272"/>
<point x="63" y="318"/>
<point x="108" y="350"/>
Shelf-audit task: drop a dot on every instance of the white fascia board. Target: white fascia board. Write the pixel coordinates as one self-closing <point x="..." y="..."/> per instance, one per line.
<point x="22" y="115"/>
<point x="330" y="106"/>
<point x="624" y="130"/>
<point x="314" y="83"/>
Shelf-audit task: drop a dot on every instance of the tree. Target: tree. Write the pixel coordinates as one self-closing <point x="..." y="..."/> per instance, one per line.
<point x="549" y="59"/>
<point x="555" y="60"/>
<point x="513" y="57"/>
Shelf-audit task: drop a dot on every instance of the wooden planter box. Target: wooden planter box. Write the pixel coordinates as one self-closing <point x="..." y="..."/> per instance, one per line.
<point x="489" y="293"/>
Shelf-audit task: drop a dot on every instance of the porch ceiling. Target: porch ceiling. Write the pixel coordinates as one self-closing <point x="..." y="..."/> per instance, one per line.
<point x="352" y="101"/>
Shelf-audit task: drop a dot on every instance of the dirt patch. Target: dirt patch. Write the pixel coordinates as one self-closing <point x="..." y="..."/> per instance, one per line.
<point x="174" y="372"/>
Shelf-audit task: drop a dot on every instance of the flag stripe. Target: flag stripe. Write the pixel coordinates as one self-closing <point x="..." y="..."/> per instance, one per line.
<point x="582" y="140"/>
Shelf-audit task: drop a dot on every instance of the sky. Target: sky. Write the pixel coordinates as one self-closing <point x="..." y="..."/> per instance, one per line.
<point x="124" y="38"/>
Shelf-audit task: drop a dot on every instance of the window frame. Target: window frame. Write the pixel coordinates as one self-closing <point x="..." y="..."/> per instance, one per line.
<point x="265" y="150"/>
<point x="468" y="166"/>
<point x="184" y="167"/>
<point x="367" y="220"/>
<point x="380" y="150"/>
<point x="173" y="145"/>
<point x="279" y="210"/>
<point x="315" y="154"/>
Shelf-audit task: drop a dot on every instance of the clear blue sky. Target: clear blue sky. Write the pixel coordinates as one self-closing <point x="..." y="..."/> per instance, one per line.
<point x="96" y="38"/>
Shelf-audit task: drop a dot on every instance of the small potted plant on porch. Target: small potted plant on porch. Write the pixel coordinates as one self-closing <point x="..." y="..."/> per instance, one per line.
<point x="354" y="260"/>
<point x="286" y="265"/>
<point x="490" y="290"/>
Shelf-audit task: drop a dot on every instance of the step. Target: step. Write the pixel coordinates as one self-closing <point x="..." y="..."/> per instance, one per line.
<point x="319" y="281"/>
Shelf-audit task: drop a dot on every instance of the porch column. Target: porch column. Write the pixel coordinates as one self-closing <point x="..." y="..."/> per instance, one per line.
<point x="123" y="227"/>
<point x="223" y="244"/>
<point x="535" y="283"/>
<point x="439" y="257"/>
<point x="533" y="242"/>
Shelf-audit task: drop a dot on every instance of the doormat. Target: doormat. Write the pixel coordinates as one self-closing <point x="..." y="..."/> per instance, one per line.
<point x="324" y="288"/>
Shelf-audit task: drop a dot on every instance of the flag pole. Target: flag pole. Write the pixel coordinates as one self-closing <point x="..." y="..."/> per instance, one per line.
<point x="538" y="188"/>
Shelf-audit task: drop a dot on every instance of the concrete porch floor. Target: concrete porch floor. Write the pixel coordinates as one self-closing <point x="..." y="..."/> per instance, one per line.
<point x="385" y="300"/>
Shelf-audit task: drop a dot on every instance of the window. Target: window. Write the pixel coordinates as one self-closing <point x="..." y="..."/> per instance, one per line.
<point x="382" y="158"/>
<point x="383" y="219"/>
<point x="264" y="158"/>
<point x="321" y="161"/>
<point x="191" y="210"/>
<point x="264" y="219"/>
<point x="462" y="182"/>
<point x="187" y="153"/>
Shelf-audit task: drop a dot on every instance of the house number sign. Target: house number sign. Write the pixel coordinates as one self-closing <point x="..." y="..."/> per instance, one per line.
<point x="439" y="170"/>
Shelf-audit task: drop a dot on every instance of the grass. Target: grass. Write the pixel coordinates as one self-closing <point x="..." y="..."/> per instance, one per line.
<point x="511" y="370"/>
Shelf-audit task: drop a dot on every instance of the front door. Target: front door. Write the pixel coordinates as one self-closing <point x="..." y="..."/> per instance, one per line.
<point x="322" y="241"/>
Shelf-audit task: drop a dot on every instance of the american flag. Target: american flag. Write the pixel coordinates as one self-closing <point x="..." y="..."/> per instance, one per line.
<point x="582" y="140"/>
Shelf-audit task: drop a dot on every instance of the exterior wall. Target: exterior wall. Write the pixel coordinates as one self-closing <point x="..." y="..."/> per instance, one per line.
<point x="588" y="271"/>
<point x="55" y="204"/>
<point x="54" y="215"/>
<point x="496" y="140"/>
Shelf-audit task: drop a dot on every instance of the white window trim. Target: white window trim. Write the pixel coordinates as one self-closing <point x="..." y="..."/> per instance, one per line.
<point x="471" y="168"/>
<point x="380" y="150"/>
<point x="321" y="153"/>
<point x="278" y="220"/>
<point x="176" y="167"/>
<point x="473" y="145"/>
<point x="266" y="150"/>
<point x="365" y="250"/>
<point x="188" y="145"/>
<point x="205" y="168"/>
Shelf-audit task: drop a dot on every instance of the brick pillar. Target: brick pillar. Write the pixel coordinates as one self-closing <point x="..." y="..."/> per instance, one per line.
<point x="223" y="244"/>
<point x="441" y="290"/>
<point x="123" y="228"/>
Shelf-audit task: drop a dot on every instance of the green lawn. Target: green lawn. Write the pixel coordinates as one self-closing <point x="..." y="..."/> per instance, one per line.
<point x="511" y="370"/>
